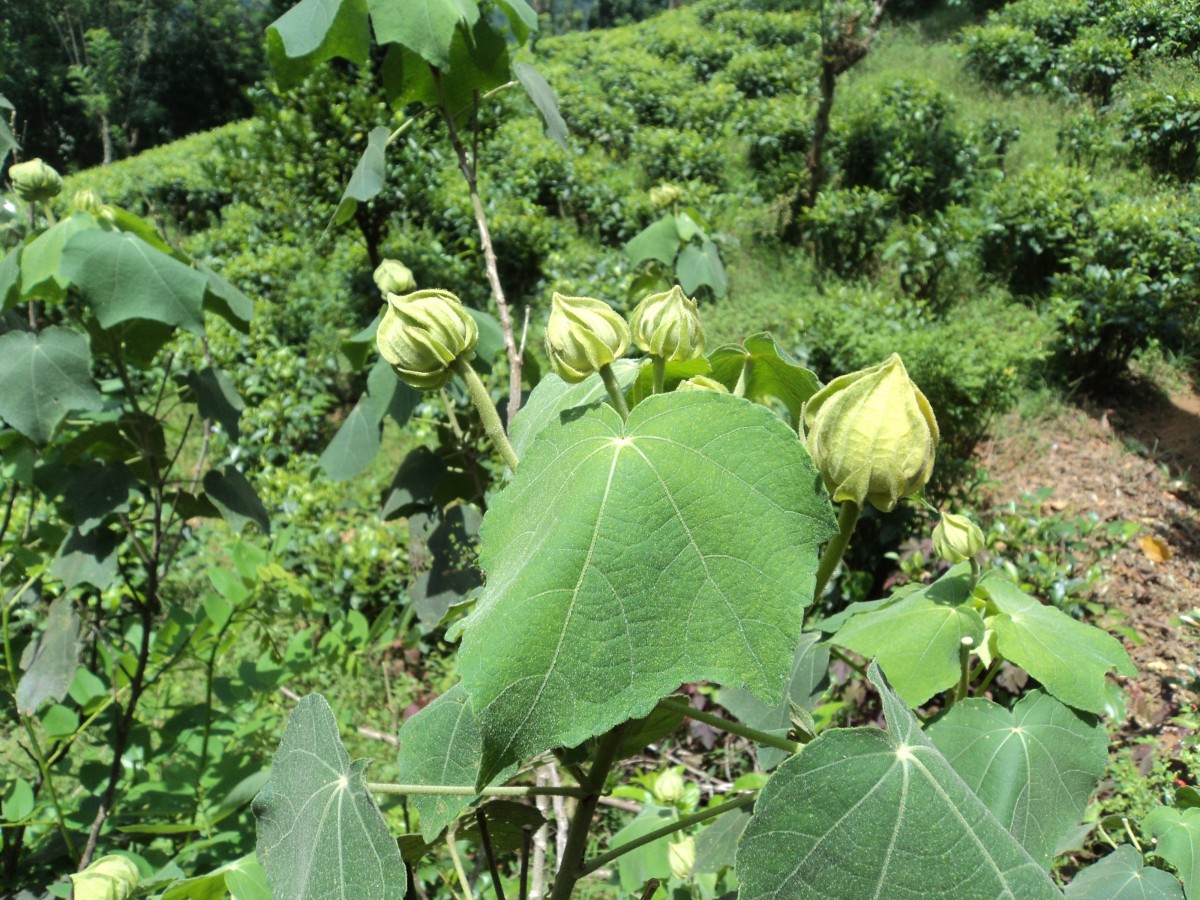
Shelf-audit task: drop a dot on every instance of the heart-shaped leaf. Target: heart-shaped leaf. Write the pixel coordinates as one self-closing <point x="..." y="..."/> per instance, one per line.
<point x="314" y="31"/>
<point x="320" y="833"/>
<point x="1035" y="767"/>
<point x="1178" y="834"/>
<point x="1123" y="876"/>
<point x="765" y="372"/>
<point x="626" y="558"/>
<point x="1069" y="658"/>
<point x="892" y="813"/>
<point x="554" y="399"/>
<point x="426" y="27"/>
<point x="658" y="240"/>
<point x="43" y="377"/>
<point x="702" y="267"/>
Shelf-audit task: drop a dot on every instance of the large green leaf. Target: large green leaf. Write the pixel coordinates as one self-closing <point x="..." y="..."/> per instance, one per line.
<point x="805" y="684"/>
<point x="98" y="490"/>
<point x="626" y="558"/>
<point x="368" y="177"/>
<point x="868" y="813"/>
<point x="226" y="301"/>
<point x="764" y="372"/>
<point x="443" y="549"/>
<point x="1177" y="832"/>
<point x="426" y="27"/>
<point x="553" y="398"/>
<point x="917" y="639"/>
<point x="717" y="843"/>
<point x="122" y="278"/>
<point x="442" y="744"/>
<point x="479" y="61"/>
<point x="320" y="834"/>
<point x="544" y="99"/>
<point x="1122" y="876"/>
<point x="314" y="31"/>
<point x="10" y="279"/>
<point x="700" y="266"/>
<point x="236" y="498"/>
<point x="658" y="240"/>
<point x="355" y="444"/>
<point x="50" y="661"/>
<point x="87" y="558"/>
<point x="8" y="141"/>
<point x="1035" y="767"/>
<point x="1069" y="658"/>
<point x="42" y="275"/>
<point x="522" y="18"/>
<point x="648" y="861"/>
<point x="43" y="377"/>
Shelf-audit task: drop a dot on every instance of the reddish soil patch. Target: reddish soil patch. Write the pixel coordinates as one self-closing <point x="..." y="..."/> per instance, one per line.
<point x="1084" y="455"/>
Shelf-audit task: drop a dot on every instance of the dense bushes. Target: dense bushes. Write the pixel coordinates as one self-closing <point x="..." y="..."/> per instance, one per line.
<point x="1163" y="130"/>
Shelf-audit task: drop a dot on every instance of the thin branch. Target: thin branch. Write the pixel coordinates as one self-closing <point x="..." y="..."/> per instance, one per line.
<point x="453" y="790"/>
<point x="497" y="886"/>
<point x="678" y="704"/>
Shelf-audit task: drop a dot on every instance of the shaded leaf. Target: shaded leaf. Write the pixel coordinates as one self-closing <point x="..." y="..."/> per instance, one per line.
<point x="717" y="843"/>
<point x="87" y="559"/>
<point x="442" y="744"/>
<point x="702" y="266"/>
<point x="97" y="491"/>
<point x="355" y="444"/>
<point x="891" y="811"/>
<point x="673" y="372"/>
<point x="658" y="240"/>
<point x="491" y="340"/>
<point x="596" y="606"/>
<point x="1068" y="657"/>
<point x="426" y="27"/>
<point x="1122" y="876"/>
<point x="10" y="278"/>
<point x="50" y="662"/>
<point x="544" y="99"/>
<point x="368" y="177"/>
<point x="42" y="275"/>
<point x="415" y="482"/>
<point x="506" y="820"/>
<point x="361" y="344"/>
<point x="389" y="395"/>
<point x="314" y="31"/>
<point x="226" y="301"/>
<point x="1034" y="767"/>
<point x="1177" y="832"/>
<point x="8" y="141"/>
<point x="43" y="377"/>
<point x="765" y="371"/>
<point x="522" y="18"/>
<point x="217" y="398"/>
<point x="320" y="833"/>
<point x="236" y="498"/>
<point x="446" y="562"/>
<point x="649" y="860"/>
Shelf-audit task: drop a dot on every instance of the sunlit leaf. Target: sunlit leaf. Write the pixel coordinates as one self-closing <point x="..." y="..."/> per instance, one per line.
<point x="553" y="400"/>
<point x="43" y="377"/>
<point x="320" y="834"/>
<point x="544" y="99"/>
<point x="236" y="498"/>
<point x="426" y="27"/>
<point x="368" y="177"/>
<point x="1177" y="832"/>
<point x="314" y="31"/>
<point x="658" y="240"/>
<point x="1123" y="876"/>
<point x="702" y="267"/>
<point x="765" y="372"/>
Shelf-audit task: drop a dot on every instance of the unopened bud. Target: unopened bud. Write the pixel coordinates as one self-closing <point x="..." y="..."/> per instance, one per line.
<point x="872" y="435"/>
<point x="393" y="277"/>
<point x="702" y="383"/>
<point x="668" y="787"/>
<point x="956" y="538"/>
<point x="681" y="857"/>
<point x="422" y="335"/>
<point x="108" y="878"/>
<point x="88" y="201"/>
<point x="35" y="181"/>
<point x="667" y="325"/>
<point x="665" y="195"/>
<point x="583" y="335"/>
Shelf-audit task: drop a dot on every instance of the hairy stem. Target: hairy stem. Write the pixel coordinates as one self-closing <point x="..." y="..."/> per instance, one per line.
<point x="487" y="412"/>
<point x="660" y="373"/>
<point x="614" y="390"/>
<point x="679" y="705"/>
<point x="836" y="549"/>
<point x="452" y="790"/>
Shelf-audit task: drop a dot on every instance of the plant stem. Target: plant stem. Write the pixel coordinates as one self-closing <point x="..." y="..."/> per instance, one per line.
<point x="660" y="373"/>
<point x="614" y="390"/>
<point x="458" y="866"/>
<point x="836" y="549"/>
<point x="452" y="790"/>
<point x="497" y="885"/>
<point x="571" y="867"/>
<point x="964" y="662"/>
<point x="987" y="679"/>
<point x="487" y="412"/>
<point x="679" y="705"/>
<point x="686" y="822"/>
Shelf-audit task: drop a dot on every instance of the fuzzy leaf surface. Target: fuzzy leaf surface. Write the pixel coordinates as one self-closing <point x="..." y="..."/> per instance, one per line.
<point x="1178" y="834"/>
<point x="426" y="27"/>
<point x="888" y="807"/>
<point x="1034" y="767"/>
<point x="554" y="399"/>
<point x="314" y="31"/>
<point x="320" y="833"/>
<point x="1123" y="876"/>
<point x="624" y="559"/>
<point x="43" y="377"/>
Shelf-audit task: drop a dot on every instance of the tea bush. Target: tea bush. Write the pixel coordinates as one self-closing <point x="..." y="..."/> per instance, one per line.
<point x="1162" y="129"/>
<point x="1054" y="21"/>
<point x="1006" y="56"/>
<point x="1158" y="27"/>
<point x="844" y="228"/>
<point x="665" y="154"/>
<point x="768" y="73"/>
<point x="1094" y="62"/>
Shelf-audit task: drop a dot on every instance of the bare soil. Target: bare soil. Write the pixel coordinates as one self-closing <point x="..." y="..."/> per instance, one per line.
<point x="1130" y="457"/>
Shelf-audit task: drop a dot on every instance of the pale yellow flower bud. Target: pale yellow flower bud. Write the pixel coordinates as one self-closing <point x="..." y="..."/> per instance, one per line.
<point x="668" y="787"/>
<point x="956" y="538"/>
<point x="35" y="181"/>
<point x="583" y="335"/>
<point x="108" y="878"/>
<point x="681" y="857"/>
<point x="664" y="195"/>
<point x="872" y="435"/>
<point x="88" y="201"/>
<point x="422" y="335"/>
<point x="667" y="325"/>
<point x="702" y="383"/>
<point x="393" y="277"/>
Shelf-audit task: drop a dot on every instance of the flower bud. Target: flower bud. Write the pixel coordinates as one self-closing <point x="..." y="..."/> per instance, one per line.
<point x="702" y="383"/>
<point x="393" y="277"/>
<point x="664" y="195"/>
<point x="108" y="878"/>
<point x="956" y="538"/>
<point x="422" y="334"/>
<point x="35" y="181"/>
<point x="668" y="787"/>
<point x="872" y="435"/>
<point x="681" y="857"/>
<point x="88" y="201"/>
<point x="667" y="325"/>
<point x="583" y="335"/>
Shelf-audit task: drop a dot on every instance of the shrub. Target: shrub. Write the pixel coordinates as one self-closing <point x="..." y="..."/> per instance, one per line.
<point x="844" y="229"/>
<point x="1033" y="224"/>
<point x="778" y="71"/>
<point x="1161" y="27"/>
<point x="1006" y="56"/>
<point x="644" y="84"/>
<point x="775" y="128"/>
<point x="704" y="51"/>
<point x="905" y="142"/>
<point x="1087" y="138"/>
<point x="926" y="254"/>
<point x="1163" y="130"/>
<point x="769" y="29"/>
<point x="1093" y="62"/>
<point x="1054" y="21"/>
<point x="664" y="154"/>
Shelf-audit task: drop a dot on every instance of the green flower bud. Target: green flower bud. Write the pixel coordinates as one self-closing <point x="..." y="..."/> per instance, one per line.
<point x="108" y="878"/>
<point x="956" y="538"/>
<point x="872" y="435"/>
<point x="422" y="334"/>
<point x="393" y="277"/>
<point x="88" y="201"/>
<point x="35" y="181"/>
<point x="664" y="195"/>
<point x="668" y="325"/>
<point x="668" y="787"/>
<point x="702" y="383"/>
<point x="681" y="857"/>
<point x="583" y="335"/>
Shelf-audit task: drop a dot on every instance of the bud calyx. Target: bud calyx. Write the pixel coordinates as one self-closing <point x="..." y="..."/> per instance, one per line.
<point x="423" y="334"/>
<point x="667" y="325"/>
<point x="956" y="538"/>
<point x="35" y="181"/>
<point x="582" y="335"/>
